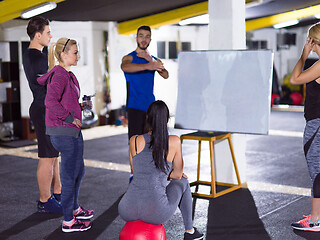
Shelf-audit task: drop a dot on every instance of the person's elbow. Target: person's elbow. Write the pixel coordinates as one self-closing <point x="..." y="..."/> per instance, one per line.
<point x="179" y="176"/>
<point x="293" y="81"/>
<point x="123" y="67"/>
<point x="165" y="74"/>
<point x="176" y="175"/>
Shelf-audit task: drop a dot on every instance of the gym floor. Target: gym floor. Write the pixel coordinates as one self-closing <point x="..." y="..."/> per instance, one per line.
<point x="277" y="192"/>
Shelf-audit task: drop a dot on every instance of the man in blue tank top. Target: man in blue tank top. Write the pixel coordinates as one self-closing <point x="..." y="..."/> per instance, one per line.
<point x="139" y="68"/>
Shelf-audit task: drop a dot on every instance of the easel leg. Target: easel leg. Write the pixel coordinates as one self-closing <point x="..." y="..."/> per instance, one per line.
<point x="213" y="175"/>
<point x="234" y="160"/>
<point x="199" y="156"/>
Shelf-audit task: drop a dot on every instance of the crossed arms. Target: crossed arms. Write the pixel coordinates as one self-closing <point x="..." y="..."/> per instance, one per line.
<point x="128" y="66"/>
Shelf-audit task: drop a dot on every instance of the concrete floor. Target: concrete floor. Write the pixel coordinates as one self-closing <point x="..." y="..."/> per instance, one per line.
<point x="278" y="188"/>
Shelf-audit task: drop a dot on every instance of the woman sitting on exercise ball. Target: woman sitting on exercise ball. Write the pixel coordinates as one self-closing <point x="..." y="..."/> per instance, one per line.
<point x="154" y="158"/>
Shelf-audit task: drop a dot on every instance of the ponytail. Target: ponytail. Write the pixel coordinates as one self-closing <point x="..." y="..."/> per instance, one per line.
<point x="51" y="59"/>
<point x="157" y="120"/>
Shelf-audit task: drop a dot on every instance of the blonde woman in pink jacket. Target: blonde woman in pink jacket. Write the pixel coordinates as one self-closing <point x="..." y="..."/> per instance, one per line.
<point x="63" y="125"/>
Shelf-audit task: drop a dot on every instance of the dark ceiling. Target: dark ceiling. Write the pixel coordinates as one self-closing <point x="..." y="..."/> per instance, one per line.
<point x="123" y="10"/>
<point x="272" y="7"/>
<point x="112" y="10"/>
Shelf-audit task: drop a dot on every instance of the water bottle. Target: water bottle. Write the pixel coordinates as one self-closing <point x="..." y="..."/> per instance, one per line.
<point x="87" y="112"/>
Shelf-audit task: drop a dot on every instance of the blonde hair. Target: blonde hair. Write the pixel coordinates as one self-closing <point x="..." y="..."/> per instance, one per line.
<point x="55" y="50"/>
<point x="314" y="33"/>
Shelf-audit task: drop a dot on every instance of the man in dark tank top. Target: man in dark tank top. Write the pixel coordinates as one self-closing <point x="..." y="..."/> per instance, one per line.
<point x="35" y="64"/>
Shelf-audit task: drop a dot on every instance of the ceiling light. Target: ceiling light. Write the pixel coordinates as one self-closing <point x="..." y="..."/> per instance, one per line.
<point x="286" y="23"/>
<point x="201" y="19"/>
<point x="38" y="10"/>
<point x="253" y="3"/>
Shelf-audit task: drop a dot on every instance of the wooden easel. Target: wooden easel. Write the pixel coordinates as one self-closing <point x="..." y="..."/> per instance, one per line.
<point x="211" y="137"/>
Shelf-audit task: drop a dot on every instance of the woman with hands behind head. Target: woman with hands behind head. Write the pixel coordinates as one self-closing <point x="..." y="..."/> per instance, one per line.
<point x="63" y="125"/>
<point x="311" y="138"/>
<point x="155" y="157"/>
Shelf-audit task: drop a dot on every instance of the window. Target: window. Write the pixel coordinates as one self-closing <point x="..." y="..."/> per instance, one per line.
<point x="173" y="52"/>
<point x="170" y="50"/>
<point x="186" y="46"/>
<point x="161" y="49"/>
<point x="255" y="45"/>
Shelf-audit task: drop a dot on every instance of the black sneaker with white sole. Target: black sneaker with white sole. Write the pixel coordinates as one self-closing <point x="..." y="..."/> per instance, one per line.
<point x="195" y="236"/>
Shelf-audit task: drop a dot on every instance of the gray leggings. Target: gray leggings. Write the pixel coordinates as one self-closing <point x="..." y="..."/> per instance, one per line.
<point x="158" y="208"/>
<point x="311" y="143"/>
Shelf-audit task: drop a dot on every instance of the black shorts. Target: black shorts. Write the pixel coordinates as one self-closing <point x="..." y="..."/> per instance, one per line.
<point x="136" y="122"/>
<point x="45" y="148"/>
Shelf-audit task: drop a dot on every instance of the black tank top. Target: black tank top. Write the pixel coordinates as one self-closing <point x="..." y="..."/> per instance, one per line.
<point x="312" y="101"/>
<point x="35" y="63"/>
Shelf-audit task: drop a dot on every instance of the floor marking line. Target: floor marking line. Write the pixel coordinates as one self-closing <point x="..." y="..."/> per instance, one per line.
<point x="277" y="188"/>
<point x="283" y="206"/>
<point x="285" y="133"/>
<point x="87" y="162"/>
<point x="108" y="165"/>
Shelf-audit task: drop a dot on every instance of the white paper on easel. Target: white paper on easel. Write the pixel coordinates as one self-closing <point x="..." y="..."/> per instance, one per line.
<point x="227" y="90"/>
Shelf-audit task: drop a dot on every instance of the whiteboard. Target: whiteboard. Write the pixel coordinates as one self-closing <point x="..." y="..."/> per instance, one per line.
<point x="227" y="91"/>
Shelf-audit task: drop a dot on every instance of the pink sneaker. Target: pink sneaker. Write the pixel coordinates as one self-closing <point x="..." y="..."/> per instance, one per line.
<point x="307" y="225"/>
<point x="76" y="226"/>
<point x="83" y="213"/>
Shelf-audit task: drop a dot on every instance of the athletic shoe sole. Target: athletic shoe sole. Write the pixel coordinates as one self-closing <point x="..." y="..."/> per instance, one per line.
<point x="307" y="229"/>
<point x="76" y="230"/>
<point x="45" y="211"/>
<point x="84" y="217"/>
<point x="199" y="238"/>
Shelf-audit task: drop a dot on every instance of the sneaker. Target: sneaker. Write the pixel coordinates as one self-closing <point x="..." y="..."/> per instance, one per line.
<point x="57" y="196"/>
<point x="76" y="226"/>
<point x="196" y="235"/>
<point x="83" y="213"/>
<point x="51" y="206"/>
<point x="307" y="225"/>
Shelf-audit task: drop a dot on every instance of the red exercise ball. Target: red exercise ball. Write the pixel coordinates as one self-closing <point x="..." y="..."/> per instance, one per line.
<point x="273" y="98"/>
<point x="296" y="98"/>
<point x="139" y="230"/>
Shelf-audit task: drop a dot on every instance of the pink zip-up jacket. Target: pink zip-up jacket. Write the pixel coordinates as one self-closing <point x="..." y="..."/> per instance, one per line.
<point x="62" y="102"/>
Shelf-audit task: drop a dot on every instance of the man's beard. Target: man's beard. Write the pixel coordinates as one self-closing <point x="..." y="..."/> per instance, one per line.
<point x="142" y="48"/>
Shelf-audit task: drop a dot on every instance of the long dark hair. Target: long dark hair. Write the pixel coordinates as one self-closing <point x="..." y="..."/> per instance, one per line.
<point x="157" y="120"/>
